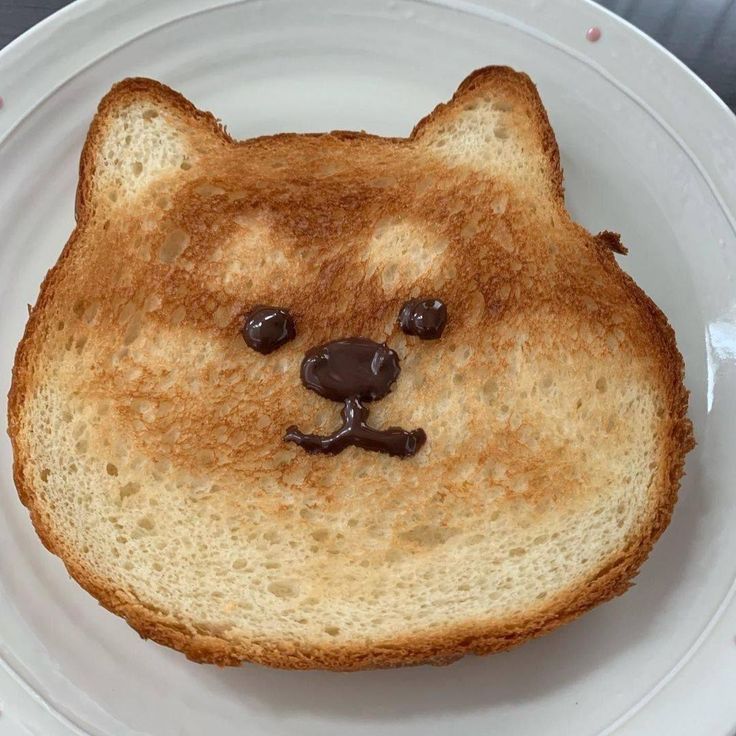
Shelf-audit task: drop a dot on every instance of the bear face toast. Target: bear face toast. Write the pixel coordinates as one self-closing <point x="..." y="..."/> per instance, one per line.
<point x="149" y="435"/>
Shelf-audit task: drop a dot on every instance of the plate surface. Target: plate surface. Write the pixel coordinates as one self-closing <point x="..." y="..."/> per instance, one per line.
<point x="647" y="150"/>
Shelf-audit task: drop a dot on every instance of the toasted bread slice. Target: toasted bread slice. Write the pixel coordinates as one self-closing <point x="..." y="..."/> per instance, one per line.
<point x="148" y="437"/>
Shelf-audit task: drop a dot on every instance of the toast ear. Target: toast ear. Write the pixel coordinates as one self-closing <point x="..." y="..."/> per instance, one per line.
<point x="496" y="124"/>
<point x="143" y="131"/>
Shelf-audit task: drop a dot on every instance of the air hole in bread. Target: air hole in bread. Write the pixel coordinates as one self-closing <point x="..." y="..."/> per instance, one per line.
<point x="209" y="190"/>
<point x="601" y="385"/>
<point x="425" y="184"/>
<point x="177" y="316"/>
<point x="146" y="523"/>
<point x="501" y="133"/>
<point x="137" y="168"/>
<point x="327" y="169"/>
<point x="502" y="235"/>
<point x="133" y="331"/>
<point x="489" y="390"/>
<point x="129" y="489"/>
<point x="127" y="311"/>
<point x="111" y="469"/>
<point x="425" y="535"/>
<point x="519" y="484"/>
<point x="173" y="246"/>
<point x="149" y="114"/>
<point x="222" y="316"/>
<point x="471" y="227"/>
<point x="499" y="203"/>
<point x="152" y="303"/>
<point x="90" y="312"/>
<point x="185" y="165"/>
<point x="389" y="276"/>
<point x="283" y="589"/>
<point x="332" y="630"/>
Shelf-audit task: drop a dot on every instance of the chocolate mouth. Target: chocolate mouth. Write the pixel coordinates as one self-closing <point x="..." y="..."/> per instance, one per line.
<point x="355" y="431"/>
<point x="354" y="370"/>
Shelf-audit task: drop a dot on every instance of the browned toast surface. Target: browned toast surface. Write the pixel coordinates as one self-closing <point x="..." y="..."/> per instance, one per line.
<point x="148" y="437"/>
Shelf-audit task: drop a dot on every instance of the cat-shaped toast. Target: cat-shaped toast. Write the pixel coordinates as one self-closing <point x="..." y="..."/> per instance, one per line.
<point x="149" y="436"/>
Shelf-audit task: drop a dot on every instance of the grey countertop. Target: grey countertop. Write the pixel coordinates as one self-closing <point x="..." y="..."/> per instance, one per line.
<point x="700" y="32"/>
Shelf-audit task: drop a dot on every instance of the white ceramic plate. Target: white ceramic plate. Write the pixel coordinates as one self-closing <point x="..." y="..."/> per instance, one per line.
<point x="648" y="150"/>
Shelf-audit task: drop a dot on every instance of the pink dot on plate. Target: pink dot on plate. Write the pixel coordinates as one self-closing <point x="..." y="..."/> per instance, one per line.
<point x="593" y="34"/>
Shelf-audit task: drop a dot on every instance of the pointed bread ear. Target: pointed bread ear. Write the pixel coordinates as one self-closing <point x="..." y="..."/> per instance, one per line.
<point x="143" y="131"/>
<point x="496" y="124"/>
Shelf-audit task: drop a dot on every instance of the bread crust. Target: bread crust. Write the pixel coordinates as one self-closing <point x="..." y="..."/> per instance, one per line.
<point x="436" y="646"/>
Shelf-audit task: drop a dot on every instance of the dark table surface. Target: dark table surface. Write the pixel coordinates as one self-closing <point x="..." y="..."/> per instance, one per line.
<point x="700" y="32"/>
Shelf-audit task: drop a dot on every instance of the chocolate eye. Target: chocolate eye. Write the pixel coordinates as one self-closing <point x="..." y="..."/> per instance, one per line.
<point x="268" y="328"/>
<point x="424" y="318"/>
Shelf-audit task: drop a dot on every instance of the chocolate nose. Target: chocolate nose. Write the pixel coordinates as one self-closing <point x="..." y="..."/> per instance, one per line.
<point x="354" y="370"/>
<point x="351" y="367"/>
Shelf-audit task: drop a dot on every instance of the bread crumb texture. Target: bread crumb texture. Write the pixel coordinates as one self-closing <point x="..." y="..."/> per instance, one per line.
<point x="148" y="438"/>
